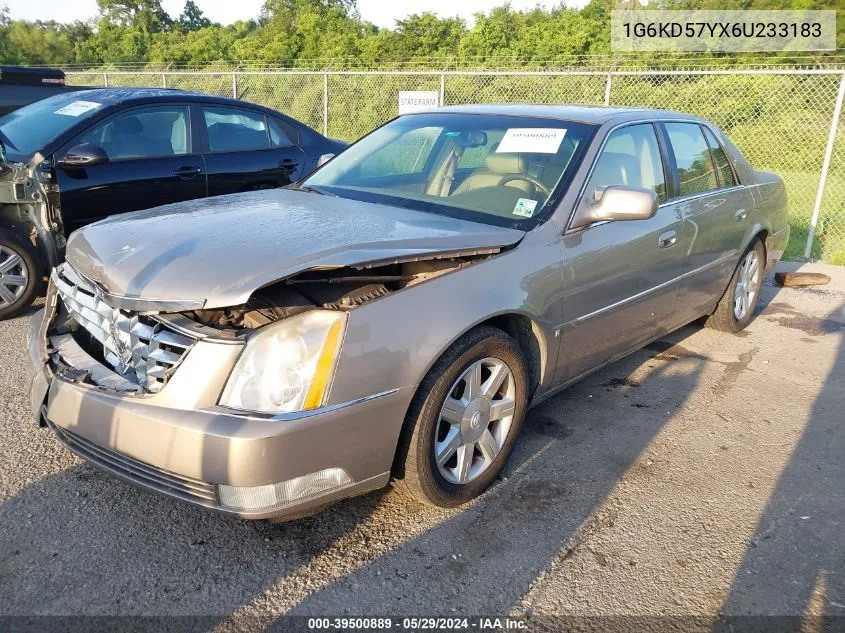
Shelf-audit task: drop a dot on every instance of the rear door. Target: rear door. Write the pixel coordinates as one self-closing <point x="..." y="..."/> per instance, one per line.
<point x="715" y="209"/>
<point x="621" y="278"/>
<point x="246" y="149"/>
<point x="151" y="163"/>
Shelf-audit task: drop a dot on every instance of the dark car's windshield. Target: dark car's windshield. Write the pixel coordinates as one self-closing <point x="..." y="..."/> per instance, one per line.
<point x="29" y="129"/>
<point x="498" y="169"/>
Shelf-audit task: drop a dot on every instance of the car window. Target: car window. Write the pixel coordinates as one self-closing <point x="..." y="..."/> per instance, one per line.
<point x="723" y="165"/>
<point x="500" y="169"/>
<point x="406" y="155"/>
<point x="696" y="173"/>
<point x="630" y="157"/>
<point x="279" y="137"/>
<point x="234" y="130"/>
<point x="30" y="128"/>
<point x="474" y="157"/>
<point x="142" y="133"/>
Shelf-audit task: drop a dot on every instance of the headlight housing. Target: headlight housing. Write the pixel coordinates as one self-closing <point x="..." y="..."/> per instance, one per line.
<point x="287" y="366"/>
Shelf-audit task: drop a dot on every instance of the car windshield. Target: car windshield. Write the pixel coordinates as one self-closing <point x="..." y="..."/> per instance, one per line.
<point x="497" y="169"/>
<point x="28" y="129"/>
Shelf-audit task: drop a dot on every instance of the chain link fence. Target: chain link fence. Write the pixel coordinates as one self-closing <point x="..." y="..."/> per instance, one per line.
<point x="783" y="120"/>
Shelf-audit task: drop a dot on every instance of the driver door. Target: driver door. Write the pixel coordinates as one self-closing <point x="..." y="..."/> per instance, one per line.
<point x="621" y="279"/>
<point x="151" y="163"/>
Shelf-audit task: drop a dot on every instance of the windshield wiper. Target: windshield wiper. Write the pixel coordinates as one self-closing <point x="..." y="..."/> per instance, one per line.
<point x="310" y="189"/>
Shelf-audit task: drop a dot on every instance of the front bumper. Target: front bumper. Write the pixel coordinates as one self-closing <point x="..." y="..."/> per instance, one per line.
<point x="187" y="452"/>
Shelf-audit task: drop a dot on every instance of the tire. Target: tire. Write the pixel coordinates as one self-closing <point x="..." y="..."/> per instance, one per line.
<point x="728" y="317"/>
<point x="489" y="349"/>
<point x="17" y="261"/>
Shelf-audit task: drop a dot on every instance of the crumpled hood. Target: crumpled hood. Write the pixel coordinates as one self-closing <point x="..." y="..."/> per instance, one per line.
<point x="223" y="249"/>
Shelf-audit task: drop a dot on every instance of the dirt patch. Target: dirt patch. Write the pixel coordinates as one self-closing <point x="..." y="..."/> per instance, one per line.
<point x="672" y="351"/>
<point x="733" y="370"/>
<point x="812" y="326"/>
<point x="548" y="427"/>
<point x="621" y="382"/>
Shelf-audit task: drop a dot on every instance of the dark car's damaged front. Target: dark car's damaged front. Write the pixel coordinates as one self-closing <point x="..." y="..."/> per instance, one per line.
<point x="31" y="228"/>
<point x="70" y="160"/>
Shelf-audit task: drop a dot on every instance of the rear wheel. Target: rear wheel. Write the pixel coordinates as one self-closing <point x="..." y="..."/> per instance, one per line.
<point x="736" y="308"/>
<point x="20" y="277"/>
<point x="464" y="420"/>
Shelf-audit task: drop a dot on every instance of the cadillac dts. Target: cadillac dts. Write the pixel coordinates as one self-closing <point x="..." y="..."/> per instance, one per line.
<point x="394" y="315"/>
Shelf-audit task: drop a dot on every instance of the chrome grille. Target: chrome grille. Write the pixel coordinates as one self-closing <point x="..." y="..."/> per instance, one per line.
<point x="139" y="347"/>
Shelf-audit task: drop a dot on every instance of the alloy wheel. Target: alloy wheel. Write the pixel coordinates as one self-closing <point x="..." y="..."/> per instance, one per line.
<point x="747" y="285"/>
<point x="14" y="277"/>
<point x="475" y="420"/>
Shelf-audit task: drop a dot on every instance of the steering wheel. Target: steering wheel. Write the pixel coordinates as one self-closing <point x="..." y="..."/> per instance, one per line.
<point x="526" y="178"/>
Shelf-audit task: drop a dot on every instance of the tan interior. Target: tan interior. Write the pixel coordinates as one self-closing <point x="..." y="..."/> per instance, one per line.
<point x="496" y="166"/>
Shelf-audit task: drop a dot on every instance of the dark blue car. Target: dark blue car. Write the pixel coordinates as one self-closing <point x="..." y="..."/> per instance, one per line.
<point x="74" y="158"/>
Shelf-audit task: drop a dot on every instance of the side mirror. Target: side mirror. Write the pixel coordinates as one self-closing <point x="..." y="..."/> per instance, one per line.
<point x="83" y="155"/>
<point x="617" y="203"/>
<point x="324" y="159"/>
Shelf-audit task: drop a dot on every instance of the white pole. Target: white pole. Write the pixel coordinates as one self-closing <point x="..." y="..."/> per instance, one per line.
<point x="825" y="167"/>
<point x="163" y="80"/>
<point x="234" y="86"/>
<point x="607" y="91"/>
<point x="106" y="80"/>
<point x="325" y="104"/>
<point x="442" y="87"/>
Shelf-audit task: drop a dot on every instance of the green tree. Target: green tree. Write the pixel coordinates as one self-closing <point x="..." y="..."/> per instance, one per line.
<point x="192" y="18"/>
<point x="146" y="16"/>
<point x="291" y="30"/>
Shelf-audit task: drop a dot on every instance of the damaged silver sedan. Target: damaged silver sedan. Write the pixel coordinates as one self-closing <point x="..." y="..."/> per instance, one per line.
<point x="394" y="315"/>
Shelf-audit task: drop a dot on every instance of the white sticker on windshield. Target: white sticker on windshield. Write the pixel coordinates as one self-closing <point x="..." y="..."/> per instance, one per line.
<point x="78" y="107"/>
<point x="525" y="207"/>
<point x="536" y="140"/>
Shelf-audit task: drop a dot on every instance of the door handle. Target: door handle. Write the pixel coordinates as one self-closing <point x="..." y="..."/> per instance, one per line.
<point x="740" y="215"/>
<point x="288" y="163"/>
<point x="667" y="239"/>
<point x="186" y="171"/>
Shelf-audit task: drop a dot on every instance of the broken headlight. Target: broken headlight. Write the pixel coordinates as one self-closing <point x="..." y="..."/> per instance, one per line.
<point x="287" y="366"/>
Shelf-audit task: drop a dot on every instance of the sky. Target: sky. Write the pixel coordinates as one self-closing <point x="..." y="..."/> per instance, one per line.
<point x="382" y="13"/>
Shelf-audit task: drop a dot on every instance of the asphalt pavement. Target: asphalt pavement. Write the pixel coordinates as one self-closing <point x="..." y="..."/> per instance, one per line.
<point x="703" y="475"/>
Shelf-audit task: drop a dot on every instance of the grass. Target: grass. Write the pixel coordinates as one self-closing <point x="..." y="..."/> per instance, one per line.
<point x="829" y="243"/>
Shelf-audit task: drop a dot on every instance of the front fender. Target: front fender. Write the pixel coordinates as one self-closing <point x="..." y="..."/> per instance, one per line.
<point x="392" y="342"/>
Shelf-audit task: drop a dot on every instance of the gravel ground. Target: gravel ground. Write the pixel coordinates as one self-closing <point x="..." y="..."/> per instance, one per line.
<point x="702" y="475"/>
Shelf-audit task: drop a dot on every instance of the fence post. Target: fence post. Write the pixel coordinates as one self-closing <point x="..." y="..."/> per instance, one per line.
<point x="325" y="104"/>
<point x="442" y="87"/>
<point x="607" y="90"/>
<point x="163" y="80"/>
<point x="106" y="80"/>
<point x="837" y="110"/>
<point x="234" y="85"/>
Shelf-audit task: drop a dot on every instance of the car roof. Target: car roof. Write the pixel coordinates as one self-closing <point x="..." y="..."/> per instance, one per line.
<point x="580" y="113"/>
<point x="31" y="76"/>
<point x="114" y="96"/>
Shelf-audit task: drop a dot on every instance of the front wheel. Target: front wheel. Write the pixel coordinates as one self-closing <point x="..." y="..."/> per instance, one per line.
<point x="736" y="308"/>
<point x="463" y="422"/>
<point x="20" y="277"/>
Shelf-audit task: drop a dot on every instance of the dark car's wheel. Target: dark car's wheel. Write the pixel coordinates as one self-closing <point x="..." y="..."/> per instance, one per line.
<point x="20" y="277"/>
<point x="736" y="308"/>
<point x="464" y="420"/>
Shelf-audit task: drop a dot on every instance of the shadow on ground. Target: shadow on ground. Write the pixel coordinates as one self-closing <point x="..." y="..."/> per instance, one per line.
<point x="803" y="518"/>
<point x="81" y="542"/>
